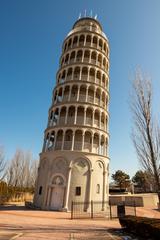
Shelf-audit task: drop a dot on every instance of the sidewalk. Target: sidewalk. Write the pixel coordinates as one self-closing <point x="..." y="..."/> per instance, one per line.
<point x="26" y="224"/>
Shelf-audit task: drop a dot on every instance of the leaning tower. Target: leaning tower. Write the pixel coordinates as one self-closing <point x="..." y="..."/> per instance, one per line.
<point x="74" y="162"/>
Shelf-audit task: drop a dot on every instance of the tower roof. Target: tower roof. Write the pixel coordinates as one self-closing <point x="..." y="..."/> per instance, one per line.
<point x="89" y="19"/>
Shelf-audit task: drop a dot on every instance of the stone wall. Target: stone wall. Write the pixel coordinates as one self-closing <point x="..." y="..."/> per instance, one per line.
<point x="141" y="200"/>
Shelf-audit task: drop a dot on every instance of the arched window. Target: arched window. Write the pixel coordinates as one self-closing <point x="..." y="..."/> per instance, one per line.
<point x="98" y="188"/>
<point x="40" y="190"/>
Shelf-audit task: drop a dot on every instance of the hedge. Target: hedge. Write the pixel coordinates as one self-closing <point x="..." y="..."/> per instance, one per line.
<point x="142" y="226"/>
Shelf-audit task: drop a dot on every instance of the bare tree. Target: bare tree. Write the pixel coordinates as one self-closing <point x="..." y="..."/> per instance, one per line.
<point x="33" y="172"/>
<point x="146" y="132"/>
<point x="2" y="164"/>
<point x="21" y="170"/>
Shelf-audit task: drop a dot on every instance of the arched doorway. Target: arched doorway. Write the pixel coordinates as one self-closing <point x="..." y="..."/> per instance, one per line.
<point x="57" y="192"/>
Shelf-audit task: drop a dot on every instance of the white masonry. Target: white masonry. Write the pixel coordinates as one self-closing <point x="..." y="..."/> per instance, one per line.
<point x="74" y="162"/>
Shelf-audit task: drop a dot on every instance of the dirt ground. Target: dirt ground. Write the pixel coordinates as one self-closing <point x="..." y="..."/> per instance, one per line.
<point x="16" y="222"/>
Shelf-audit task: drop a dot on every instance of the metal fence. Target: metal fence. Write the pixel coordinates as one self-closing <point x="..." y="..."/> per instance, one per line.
<point x="99" y="209"/>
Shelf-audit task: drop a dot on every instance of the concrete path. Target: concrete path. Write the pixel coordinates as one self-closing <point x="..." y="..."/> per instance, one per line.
<point x="18" y="223"/>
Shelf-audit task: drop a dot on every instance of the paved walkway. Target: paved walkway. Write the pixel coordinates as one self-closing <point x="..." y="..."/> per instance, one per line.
<point x="21" y="224"/>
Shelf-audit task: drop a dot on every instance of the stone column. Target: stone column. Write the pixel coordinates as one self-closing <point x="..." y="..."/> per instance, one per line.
<point x="75" y="116"/>
<point x="66" y="117"/>
<point x="93" y="113"/>
<point x="67" y="189"/>
<point x="92" y="136"/>
<point x="96" y="58"/>
<point x="101" y="103"/>
<point x="85" y="40"/>
<point x="95" y="79"/>
<point x="73" y="136"/>
<point x="104" y="189"/>
<point x="90" y="185"/>
<point x="55" y="138"/>
<point x="88" y="74"/>
<point x="83" y="134"/>
<point x="100" y="117"/>
<point x="83" y="56"/>
<point x="86" y="94"/>
<point x="104" y="148"/>
<point x="99" y="147"/>
<point x="48" y="196"/>
<point x="62" y="94"/>
<point x="69" y="96"/>
<point x="94" y="96"/>
<point x="62" y="141"/>
<point x="92" y="41"/>
<point x="101" y="80"/>
<point x="78" y="93"/>
<point x="90" y="53"/>
<point x="80" y="74"/>
<point x="75" y="56"/>
<point x="48" y="141"/>
<point x="84" y="116"/>
<point x="72" y="74"/>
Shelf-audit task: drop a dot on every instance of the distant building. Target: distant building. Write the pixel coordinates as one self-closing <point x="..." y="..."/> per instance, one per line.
<point x="74" y="163"/>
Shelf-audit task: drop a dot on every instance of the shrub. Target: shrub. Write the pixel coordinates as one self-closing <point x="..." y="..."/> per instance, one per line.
<point x="145" y="227"/>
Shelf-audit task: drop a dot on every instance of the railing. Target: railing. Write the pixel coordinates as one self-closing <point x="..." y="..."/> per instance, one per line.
<point x="80" y="120"/>
<point x="90" y="99"/>
<point x="88" y="121"/>
<point x="70" y="120"/>
<point x="103" y="104"/>
<point x="72" y="60"/>
<point x="86" y="60"/>
<point x="79" y="59"/>
<point x="93" y="61"/>
<point x="62" y="121"/>
<point x="88" y="44"/>
<point x="76" y="77"/>
<point x="58" y="145"/>
<point x="67" y="145"/>
<point x="69" y="78"/>
<point x="97" y="101"/>
<point x="82" y="98"/>
<point x="65" y="97"/>
<point x="91" y="79"/>
<point x="98" y="63"/>
<point x="102" y="209"/>
<point x="94" y="45"/>
<point x="59" y="99"/>
<point x="62" y="80"/>
<point x="103" y="84"/>
<point x="81" y="43"/>
<point x="95" y="148"/>
<point x="50" y="123"/>
<point x="102" y="150"/>
<point x="75" y="44"/>
<point x="96" y="122"/>
<point x="87" y="147"/>
<point x="84" y="77"/>
<point x="73" y="98"/>
<point x="99" y="47"/>
<point x="98" y="80"/>
<point x="78" y="145"/>
<point x="102" y="126"/>
<point x="89" y="28"/>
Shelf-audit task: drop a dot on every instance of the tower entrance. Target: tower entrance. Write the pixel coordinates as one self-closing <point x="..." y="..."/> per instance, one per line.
<point x="57" y="193"/>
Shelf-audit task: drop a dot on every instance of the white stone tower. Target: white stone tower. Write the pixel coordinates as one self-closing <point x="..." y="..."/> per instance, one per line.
<point x="74" y="162"/>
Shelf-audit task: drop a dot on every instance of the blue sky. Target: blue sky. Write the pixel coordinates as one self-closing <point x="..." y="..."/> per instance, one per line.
<point x="31" y="37"/>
